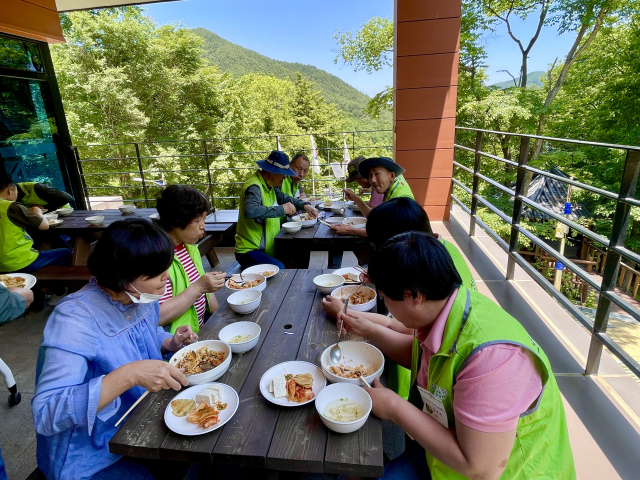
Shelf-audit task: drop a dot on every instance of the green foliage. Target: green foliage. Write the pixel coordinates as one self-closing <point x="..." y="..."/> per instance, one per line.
<point x="370" y="49"/>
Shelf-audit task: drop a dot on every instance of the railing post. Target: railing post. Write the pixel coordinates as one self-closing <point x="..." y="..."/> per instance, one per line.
<point x="144" y="185"/>
<point x="523" y="159"/>
<point x="206" y="159"/>
<point x="87" y="203"/>
<point x="612" y="263"/>
<point x="474" y="188"/>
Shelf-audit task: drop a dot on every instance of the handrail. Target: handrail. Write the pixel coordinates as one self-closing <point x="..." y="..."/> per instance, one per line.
<point x="616" y="251"/>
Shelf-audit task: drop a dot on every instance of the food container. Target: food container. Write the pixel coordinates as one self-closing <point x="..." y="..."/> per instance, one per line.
<point x="241" y="328"/>
<point x="213" y="374"/>
<point x="354" y="207"/>
<point x="304" y="223"/>
<point x="328" y="282"/>
<point x="337" y="208"/>
<point x="127" y="208"/>
<point x="334" y="220"/>
<point x="51" y="216"/>
<point x="63" y="212"/>
<point x="244" y="301"/>
<point x="356" y="222"/>
<point x="343" y="390"/>
<point x="292" y="227"/>
<point x="95" y="220"/>
<point x="342" y="292"/>
<point x="354" y="354"/>
<point x="263" y="269"/>
<point x="248" y="277"/>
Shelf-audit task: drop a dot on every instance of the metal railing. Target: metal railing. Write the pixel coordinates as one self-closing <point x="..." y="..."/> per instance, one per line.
<point x="614" y="245"/>
<point x="213" y="163"/>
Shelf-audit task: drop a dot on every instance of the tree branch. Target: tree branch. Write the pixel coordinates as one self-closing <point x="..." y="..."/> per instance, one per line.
<point x="543" y="16"/>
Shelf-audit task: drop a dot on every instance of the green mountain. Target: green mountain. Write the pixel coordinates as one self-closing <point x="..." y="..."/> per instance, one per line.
<point x="534" y="80"/>
<point x="239" y="61"/>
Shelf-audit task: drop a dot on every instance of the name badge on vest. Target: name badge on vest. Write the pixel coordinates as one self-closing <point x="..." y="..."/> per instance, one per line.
<point x="433" y="407"/>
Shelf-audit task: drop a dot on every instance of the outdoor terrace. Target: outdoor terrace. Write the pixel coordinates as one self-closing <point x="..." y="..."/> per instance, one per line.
<point x="603" y="410"/>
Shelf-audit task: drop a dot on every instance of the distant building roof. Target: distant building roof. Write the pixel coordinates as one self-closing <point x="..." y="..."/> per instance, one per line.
<point x="552" y="194"/>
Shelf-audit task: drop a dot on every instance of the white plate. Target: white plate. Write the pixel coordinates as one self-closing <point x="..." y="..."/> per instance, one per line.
<point x="342" y="271"/>
<point x="334" y="220"/>
<point x="319" y="381"/>
<point x="333" y="204"/>
<point x="182" y="426"/>
<point x="264" y="267"/>
<point x="55" y="222"/>
<point x="30" y="279"/>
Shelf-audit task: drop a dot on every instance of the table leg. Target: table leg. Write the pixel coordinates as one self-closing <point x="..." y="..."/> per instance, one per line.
<point x="335" y="259"/>
<point x="81" y="251"/>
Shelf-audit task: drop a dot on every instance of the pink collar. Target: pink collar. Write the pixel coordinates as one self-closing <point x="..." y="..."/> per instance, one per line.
<point x="431" y="337"/>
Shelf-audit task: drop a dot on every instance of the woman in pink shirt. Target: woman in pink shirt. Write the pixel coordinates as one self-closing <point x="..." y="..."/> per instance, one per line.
<point x="491" y="383"/>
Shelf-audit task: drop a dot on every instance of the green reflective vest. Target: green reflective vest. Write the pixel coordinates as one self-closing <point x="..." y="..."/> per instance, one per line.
<point x="16" y="246"/>
<point x="399" y="188"/>
<point x="541" y="448"/>
<point x="180" y="282"/>
<point x="288" y="187"/>
<point x="257" y="234"/>
<point x="460" y="264"/>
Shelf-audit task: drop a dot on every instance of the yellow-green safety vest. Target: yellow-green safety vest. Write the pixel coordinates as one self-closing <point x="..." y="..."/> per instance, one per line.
<point x="541" y="448"/>
<point x="180" y="282"/>
<point x="399" y="188"/>
<point x="16" y="246"/>
<point x="30" y="198"/>
<point x="253" y="234"/>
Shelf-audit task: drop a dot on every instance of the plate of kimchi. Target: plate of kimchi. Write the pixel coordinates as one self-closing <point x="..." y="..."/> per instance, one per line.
<point x="291" y="384"/>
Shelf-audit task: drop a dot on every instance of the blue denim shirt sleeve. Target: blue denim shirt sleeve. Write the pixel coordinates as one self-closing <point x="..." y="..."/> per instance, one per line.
<point x="62" y="400"/>
<point x="12" y="305"/>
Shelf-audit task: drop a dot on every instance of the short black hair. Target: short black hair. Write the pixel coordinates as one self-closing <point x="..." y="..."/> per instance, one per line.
<point x="178" y="205"/>
<point x="6" y="182"/>
<point x="299" y="155"/>
<point x="417" y="262"/>
<point x="129" y="249"/>
<point x="395" y="216"/>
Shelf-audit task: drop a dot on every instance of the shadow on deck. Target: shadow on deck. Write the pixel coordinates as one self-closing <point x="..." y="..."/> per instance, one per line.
<point x="603" y="411"/>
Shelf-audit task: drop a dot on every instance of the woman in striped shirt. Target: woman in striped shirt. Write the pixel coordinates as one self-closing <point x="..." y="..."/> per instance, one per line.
<point x="189" y="291"/>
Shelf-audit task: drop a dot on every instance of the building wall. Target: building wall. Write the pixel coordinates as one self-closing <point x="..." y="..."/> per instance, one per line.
<point x="34" y="19"/>
<point x="426" y="46"/>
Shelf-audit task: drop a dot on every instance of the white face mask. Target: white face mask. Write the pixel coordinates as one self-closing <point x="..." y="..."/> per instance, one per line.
<point x="145" y="297"/>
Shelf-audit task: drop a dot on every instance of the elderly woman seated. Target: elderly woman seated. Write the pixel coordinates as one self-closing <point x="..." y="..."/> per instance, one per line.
<point x="102" y="349"/>
<point x="189" y="295"/>
<point x="385" y="177"/>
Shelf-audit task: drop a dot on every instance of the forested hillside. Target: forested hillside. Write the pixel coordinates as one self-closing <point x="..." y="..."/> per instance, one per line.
<point x="534" y="80"/>
<point x="239" y="61"/>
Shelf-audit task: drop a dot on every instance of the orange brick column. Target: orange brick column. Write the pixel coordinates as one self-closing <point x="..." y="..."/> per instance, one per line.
<point x="425" y="79"/>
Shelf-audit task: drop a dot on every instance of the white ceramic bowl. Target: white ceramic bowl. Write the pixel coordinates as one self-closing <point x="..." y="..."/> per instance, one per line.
<point x="328" y="282"/>
<point x="292" y="227"/>
<point x="241" y="328"/>
<point x="342" y="292"/>
<point x="334" y="220"/>
<point x="262" y="269"/>
<point x="249" y="276"/>
<point x="95" y="220"/>
<point x="353" y="355"/>
<point x="356" y="222"/>
<point x="244" y="301"/>
<point x="305" y="223"/>
<point x="354" y="207"/>
<point x="343" y="390"/>
<point x="315" y="202"/>
<point x="337" y="208"/>
<point x="51" y="216"/>
<point x="63" y="212"/>
<point x="127" y="208"/>
<point x="213" y="374"/>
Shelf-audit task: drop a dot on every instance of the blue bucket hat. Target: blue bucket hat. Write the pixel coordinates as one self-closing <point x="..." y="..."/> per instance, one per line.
<point x="277" y="162"/>
<point x="384" y="162"/>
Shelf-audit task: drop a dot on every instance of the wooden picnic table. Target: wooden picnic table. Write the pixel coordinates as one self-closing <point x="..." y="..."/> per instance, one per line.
<point x="294" y="248"/>
<point x="261" y="434"/>
<point x="83" y="233"/>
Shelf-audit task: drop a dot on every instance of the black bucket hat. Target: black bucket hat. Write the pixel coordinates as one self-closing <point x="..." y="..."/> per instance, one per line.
<point x="277" y="162"/>
<point x="352" y="169"/>
<point x="384" y="162"/>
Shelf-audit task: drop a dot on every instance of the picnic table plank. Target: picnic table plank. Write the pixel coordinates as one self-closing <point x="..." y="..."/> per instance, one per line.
<point x="245" y="440"/>
<point x="198" y="449"/>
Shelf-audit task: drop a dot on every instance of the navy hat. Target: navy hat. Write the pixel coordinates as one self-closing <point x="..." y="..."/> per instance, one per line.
<point x="277" y="162"/>
<point x="384" y="162"/>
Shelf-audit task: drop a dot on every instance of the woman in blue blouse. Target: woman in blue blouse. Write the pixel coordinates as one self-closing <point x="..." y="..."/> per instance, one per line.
<point x="102" y="349"/>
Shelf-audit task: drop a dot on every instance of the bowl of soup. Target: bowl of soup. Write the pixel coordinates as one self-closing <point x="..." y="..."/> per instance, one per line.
<point x="343" y="408"/>
<point x="241" y="336"/>
<point x="328" y="282"/>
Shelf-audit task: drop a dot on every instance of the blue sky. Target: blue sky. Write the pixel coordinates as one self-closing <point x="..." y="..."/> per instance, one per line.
<point x="302" y="31"/>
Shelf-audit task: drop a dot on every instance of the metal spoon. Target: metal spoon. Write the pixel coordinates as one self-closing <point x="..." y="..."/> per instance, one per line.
<point x="335" y="354"/>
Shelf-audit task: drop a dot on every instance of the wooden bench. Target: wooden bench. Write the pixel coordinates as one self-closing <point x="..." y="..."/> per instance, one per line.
<point x="68" y="273"/>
